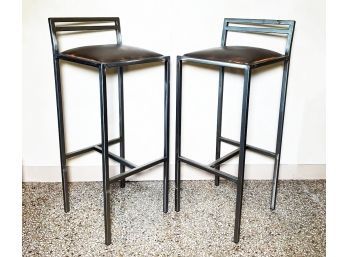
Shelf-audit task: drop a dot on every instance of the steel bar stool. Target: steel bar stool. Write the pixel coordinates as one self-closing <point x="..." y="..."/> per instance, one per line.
<point x="247" y="59"/>
<point x="114" y="56"/>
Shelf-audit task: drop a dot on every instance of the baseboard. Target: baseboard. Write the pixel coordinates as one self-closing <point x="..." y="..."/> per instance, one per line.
<point x="252" y="172"/>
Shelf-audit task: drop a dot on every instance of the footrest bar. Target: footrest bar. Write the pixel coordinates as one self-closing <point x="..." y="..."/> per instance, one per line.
<point x="135" y="170"/>
<point x="224" y="158"/>
<point x="89" y="149"/>
<point x="116" y="158"/>
<point x="249" y="147"/>
<point x="209" y="169"/>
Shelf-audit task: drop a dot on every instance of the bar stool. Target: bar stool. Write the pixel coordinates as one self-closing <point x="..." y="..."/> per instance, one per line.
<point x="247" y="59"/>
<point x="114" y="56"/>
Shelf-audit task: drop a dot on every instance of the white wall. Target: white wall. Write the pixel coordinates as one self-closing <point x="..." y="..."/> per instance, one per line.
<point x="172" y="28"/>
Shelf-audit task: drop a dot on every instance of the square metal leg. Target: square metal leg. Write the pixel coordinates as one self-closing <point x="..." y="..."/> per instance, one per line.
<point x="279" y="134"/>
<point x="178" y="132"/>
<point x="105" y="153"/>
<point x="241" y="165"/>
<point x="61" y="134"/>
<point x="166" y="134"/>
<point x="121" y="121"/>
<point x="219" y="120"/>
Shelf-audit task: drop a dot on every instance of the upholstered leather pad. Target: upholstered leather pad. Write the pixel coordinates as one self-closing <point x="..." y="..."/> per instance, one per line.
<point x="237" y="54"/>
<point x="110" y="53"/>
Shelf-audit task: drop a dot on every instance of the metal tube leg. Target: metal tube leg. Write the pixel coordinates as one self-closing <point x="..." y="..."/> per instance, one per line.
<point x="105" y="152"/>
<point x="121" y="121"/>
<point x="61" y="134"/>
<point x="178" y="132"/>
<point x="219" y="120"/>
<point x="241" y="165"/>
<point x="166" y="134"/>
<point x="279" y="134"/>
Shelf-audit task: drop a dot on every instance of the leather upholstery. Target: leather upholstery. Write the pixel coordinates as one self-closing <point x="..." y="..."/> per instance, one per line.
<point x="109" y="53"/>
<point x="237" y="54"/>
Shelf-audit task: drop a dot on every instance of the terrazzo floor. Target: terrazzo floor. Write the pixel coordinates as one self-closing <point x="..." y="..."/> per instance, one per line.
<point x="203" y="227"/>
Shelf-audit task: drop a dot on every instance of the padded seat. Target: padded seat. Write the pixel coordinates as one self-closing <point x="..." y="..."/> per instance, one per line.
<point x="109" y="53"/>
<point x="237" y="54"/>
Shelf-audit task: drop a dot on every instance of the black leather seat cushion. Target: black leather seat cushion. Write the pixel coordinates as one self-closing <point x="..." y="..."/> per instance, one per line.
<point x="110" y="53"/>
<point x="237" y="54"/>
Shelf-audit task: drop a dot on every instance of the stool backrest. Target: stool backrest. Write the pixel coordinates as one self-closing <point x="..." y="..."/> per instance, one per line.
<point x="82" y="24"/>
<point x="260" y="26"/>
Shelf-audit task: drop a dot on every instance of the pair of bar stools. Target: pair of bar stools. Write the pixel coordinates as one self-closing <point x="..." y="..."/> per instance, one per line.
<point x="118" y="56"/>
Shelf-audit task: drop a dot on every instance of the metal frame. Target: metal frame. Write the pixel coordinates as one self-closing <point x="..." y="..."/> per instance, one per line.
<point x="282" y="27"/>
<point x="74" y="24"/>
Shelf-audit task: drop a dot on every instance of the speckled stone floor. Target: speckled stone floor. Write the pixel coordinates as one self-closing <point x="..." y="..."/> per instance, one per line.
<point x="203" y="227"/>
